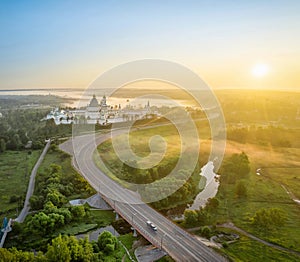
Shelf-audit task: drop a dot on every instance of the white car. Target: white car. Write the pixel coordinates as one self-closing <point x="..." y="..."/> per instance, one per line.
<point x="150" y="224"/>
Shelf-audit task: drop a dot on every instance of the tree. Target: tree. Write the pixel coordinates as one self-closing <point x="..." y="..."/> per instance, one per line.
<point x="88" y="249"/>
<point x="39" y="223"/>
<point x="65" y="212"/>
<point x="269" y="218"/>
<point x="241" y="190"/>
<point x="56" y="198"/>
<point x="107" y="242"/>
<point x="56" y="220"/>
<point x="2" y="145"/>
<point x="20" y="255"/>
<point x="202" y="216"/>
<point x="235" y="167"/>
<point x="78" y="212"/>
<point x="190" y="217"/>
<point x="212" y="203"/>
<point x="5" y="255"/>
<point x="76" y="250"/>
<point x="36" y="202"/>
<point x="59" y="251"/>
<point x="277" y="216"/>
<point x="129" y="171"/>
<point x="206" y="231"/>
<point x="42" y="223"/>
<point x="37" y="144"/>
<point x="15" y="142"/>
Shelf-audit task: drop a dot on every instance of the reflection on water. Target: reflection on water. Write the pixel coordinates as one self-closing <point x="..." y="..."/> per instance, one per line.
<point x="211" y="186"/>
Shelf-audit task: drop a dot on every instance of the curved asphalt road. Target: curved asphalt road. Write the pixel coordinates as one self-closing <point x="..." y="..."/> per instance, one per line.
<point x="179" y="244"/>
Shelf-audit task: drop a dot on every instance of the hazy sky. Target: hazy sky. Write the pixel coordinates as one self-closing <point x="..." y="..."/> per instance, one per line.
<point x="68" y="43"/>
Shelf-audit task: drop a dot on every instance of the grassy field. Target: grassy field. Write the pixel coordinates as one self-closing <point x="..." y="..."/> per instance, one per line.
<point x="74" y="229"/>
<point x="279" y="166"/>
<point x="139" y="142"/>
<point x="140" y="146"/>
<point x="247" y="249"/>
<point x="262" y="193"/>
<point x="15" y="169"/>
<point x="96" y="219"/>
<point x="127" y="240"/>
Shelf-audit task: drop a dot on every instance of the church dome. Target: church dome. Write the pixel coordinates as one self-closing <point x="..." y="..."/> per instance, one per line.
<point x="94" y="102"/>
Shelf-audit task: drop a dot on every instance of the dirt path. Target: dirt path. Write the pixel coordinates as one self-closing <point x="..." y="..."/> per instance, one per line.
<point x="30" y="189"/>
<point x="232" y="226"/>
<point x="292" y="196"/>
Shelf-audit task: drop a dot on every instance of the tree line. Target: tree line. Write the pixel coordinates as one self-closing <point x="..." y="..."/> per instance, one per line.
<point x="276" y="136"/>
<point x="19" y="126"/>
<point x="156" y="181"/>
<point x="49" y="203"/>
<point x="68" y="248"/>
<point x="51" y="196"/>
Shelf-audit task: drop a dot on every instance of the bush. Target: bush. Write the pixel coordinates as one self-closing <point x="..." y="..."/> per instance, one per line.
<point x="269" y="218"/>
<point x="225" y="244"/>
<point x="206" y="231"/>
<point x="13" y="199"/>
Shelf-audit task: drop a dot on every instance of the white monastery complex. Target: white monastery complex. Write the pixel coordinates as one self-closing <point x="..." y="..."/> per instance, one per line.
<point x="100" y="113"/>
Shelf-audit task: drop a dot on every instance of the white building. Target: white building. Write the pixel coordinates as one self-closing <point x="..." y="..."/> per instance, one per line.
<point x="61" y="116"/>
<point x="101" y="113"/>
<point x="92" y="109"/>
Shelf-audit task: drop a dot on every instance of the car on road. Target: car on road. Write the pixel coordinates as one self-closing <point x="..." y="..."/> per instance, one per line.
<point x="150" y="224"/>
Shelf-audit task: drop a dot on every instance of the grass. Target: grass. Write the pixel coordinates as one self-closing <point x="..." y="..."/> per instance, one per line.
<point x="139" y="142"/>
<point x="15" y="169"/>
<point x="74" y="229"/>
<point x="112" y="163"/>
<point x="120" y="252"/>
<point x="247" y="249"/>
<point x="279" y="166"/>
<point x="127" y="240"/>
<point x="96" y="219"/>
<point x="263" y="191"/>
<point x="102" y="217"/>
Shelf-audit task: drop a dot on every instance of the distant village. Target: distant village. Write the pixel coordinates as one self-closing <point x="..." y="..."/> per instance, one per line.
<point x="100" y="113"/>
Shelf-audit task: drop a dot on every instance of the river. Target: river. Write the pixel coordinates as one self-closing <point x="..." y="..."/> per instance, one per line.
<point x="208" y="179"/>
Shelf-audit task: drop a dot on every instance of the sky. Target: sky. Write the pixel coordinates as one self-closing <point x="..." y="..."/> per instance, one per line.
<point x="229" y="44"/>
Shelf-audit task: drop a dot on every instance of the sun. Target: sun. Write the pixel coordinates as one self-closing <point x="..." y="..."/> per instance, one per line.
<point x="260" y="70"/>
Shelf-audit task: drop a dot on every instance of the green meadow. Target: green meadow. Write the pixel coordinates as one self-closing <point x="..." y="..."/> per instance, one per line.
<point x="15" y="170"/>
<point x="279" y="167"/>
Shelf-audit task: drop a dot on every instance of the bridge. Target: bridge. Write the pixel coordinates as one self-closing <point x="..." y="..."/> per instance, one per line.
<point x="169" y="237"/>
<point x="6" y="227"/>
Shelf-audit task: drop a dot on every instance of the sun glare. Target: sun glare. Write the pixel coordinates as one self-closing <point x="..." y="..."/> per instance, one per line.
<point x="260" y="70"/>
